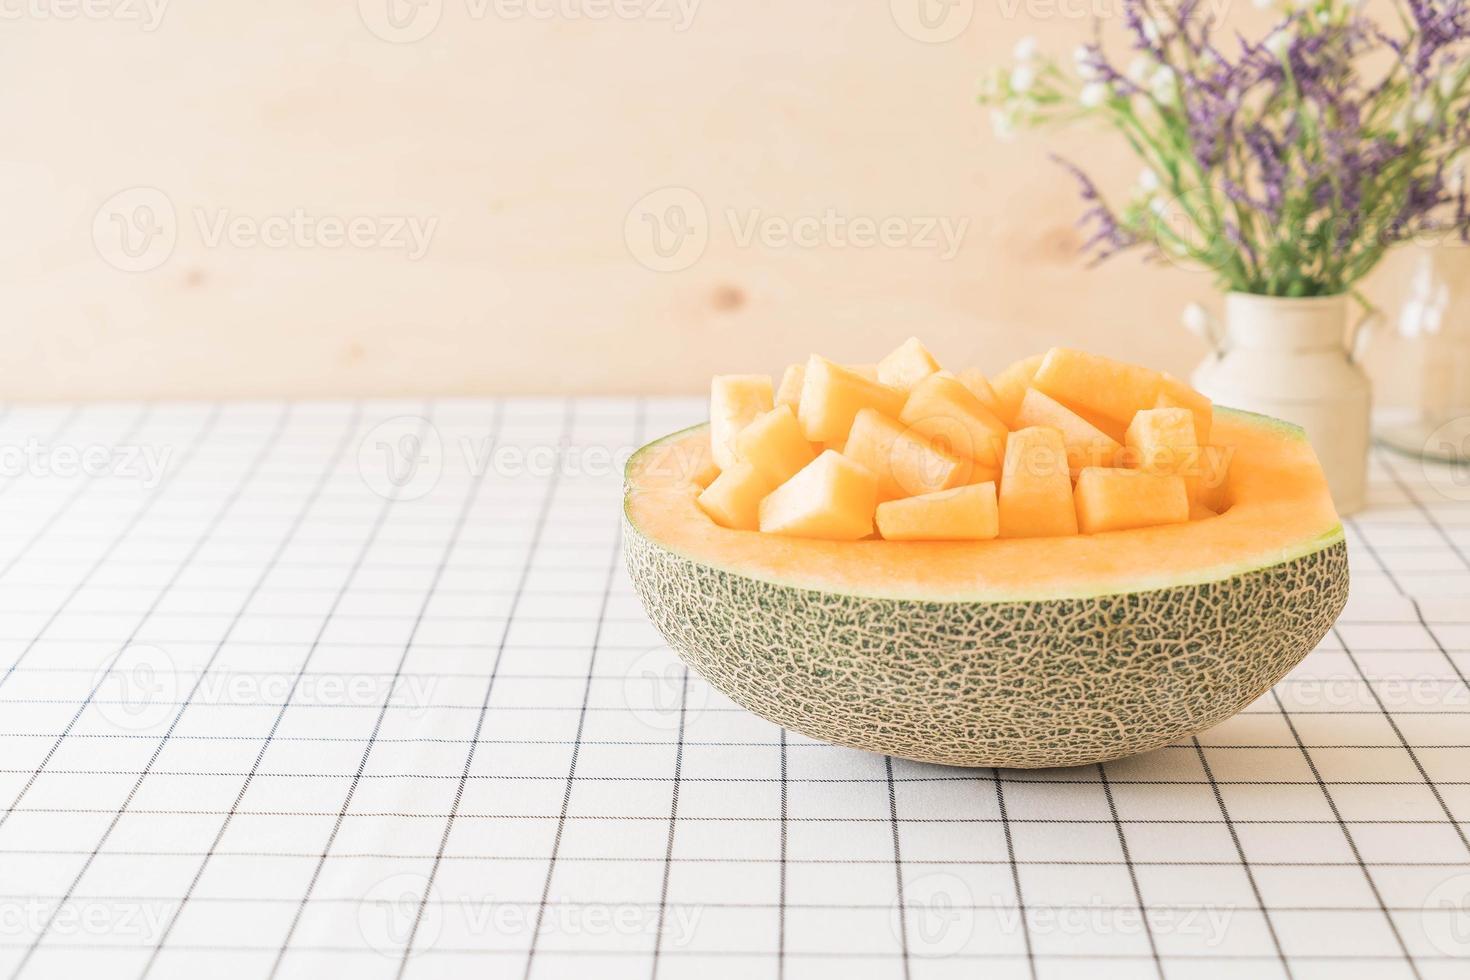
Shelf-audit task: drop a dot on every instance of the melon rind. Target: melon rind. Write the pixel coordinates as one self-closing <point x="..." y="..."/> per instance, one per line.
<point x="1060" y="682"/>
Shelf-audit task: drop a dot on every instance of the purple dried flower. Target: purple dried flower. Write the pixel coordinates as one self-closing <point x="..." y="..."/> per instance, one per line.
<point x="1108" y="236"/>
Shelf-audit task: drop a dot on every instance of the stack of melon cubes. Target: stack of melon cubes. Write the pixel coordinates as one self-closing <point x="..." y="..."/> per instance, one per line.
<point x="1062" y="443"/>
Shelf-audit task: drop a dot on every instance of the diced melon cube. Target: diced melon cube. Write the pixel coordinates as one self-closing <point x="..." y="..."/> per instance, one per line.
<point x="832" y="497"/>
<point x="734" y="401"/>
<point x="1119" y="499"/>
<point x="1160" y="439"/>
<point x="905" y="463"/>
<point x="832" y="395"/>
<point x="702" y="470"/>
<point x="869" y="371"/>
<point x="963" y="514"/>
<point x="1011" y="384"/>
<point x="1035" y="486"/>
<point x="775" y="444"/>
<point x="733" y="499"/>
<point x="909" y="364"/>
<point x="1176" y="394"/>
<point x="976" y="382"/>
<point x="953" y="420"/>
<point x="1087" y="445"/>
<point x="982" y="474"/>
<point x="788" y="392"/>
<point x="1090" y="384"/>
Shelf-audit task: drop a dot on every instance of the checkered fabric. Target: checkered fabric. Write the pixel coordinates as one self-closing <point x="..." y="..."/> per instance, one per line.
<point x="361" y="689"/>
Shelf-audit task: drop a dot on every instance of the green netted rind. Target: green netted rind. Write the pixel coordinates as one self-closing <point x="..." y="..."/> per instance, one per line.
<point x="1055" y="682"/>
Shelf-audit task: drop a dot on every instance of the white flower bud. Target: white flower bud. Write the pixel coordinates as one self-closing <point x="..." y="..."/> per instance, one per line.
<point x="1424" y="111"/>
<point x="1023" y="78"/>
<point x="1279" y="44"/>
<point x="1162" y="85"/>
<point x="1003" y="124"/>
<point x="1148" y="181"/>
<point x="1093" y="94"/>
<point x="1139" y="67"/>
<point x="1025" y="48"/>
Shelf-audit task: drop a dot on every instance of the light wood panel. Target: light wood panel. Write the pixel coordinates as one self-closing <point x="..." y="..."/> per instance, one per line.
<point x="527" y="141"/>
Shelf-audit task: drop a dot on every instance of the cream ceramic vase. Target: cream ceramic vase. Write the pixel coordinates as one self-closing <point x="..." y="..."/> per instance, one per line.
<point x="1297" y="360"/>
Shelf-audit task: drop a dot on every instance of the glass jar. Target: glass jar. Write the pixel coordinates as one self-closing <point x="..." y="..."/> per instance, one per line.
<point x="1433" y="328"/>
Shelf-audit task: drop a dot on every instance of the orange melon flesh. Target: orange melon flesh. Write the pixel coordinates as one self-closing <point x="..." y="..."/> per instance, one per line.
<point x="1176" y="394"/>
<point x="904" y="463"/>
<point x="774" y="444"/>
<point x="1010" y="386"/>
<point x="943" y="411"/>
<point x="1211" y="487"/>
<point x="1280" y="510"/>
<point x="1162" y="440"/>
<point x="832" y="498"/>
<point x="909" y="364"/>
<point x="1120" y="500"/>
<point x="788" y="392"/>
<point x="1036" y="486"/>
<point x="734" y="402"/>
<point x="733" y="499"/>
<point x="1199" y="512"/>
<point x="974" y="380"/>
<point x="1086" y="444"/>
<point x="963" y="514"/>
<point x="832" y="395"/>
<point x="1159" y="439"/>
<point x="1094" y="385"/>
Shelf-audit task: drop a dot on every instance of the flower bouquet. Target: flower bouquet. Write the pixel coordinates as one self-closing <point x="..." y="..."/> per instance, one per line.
<point x="1288" y="164"/>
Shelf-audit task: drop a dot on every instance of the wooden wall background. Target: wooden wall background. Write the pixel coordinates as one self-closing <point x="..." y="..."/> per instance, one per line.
<point x="528" y="132"/>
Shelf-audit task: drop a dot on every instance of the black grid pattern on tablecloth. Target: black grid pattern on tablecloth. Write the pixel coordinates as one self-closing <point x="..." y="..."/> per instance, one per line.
<point x="369" y="720"/>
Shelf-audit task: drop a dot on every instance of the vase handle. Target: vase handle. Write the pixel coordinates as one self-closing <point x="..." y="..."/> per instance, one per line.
<point x="1199" y="321"/>
<point x="1362" y="333"/>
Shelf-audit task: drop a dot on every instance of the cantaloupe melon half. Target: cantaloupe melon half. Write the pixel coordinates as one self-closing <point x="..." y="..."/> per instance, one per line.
<point x="1012" y="652"/>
